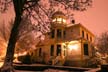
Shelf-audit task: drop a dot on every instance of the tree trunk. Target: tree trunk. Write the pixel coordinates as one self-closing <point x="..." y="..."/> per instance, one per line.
<point x="8" y="63"/>
<point x="8" y="67"/>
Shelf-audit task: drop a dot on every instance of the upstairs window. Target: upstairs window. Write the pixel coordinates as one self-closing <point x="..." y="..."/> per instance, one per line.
<point x="91" y="39"/>
<point x="52" y="50"/>
<point x="59" y="20"/>
<point x="87" y="36"/>
<point x="64" y="34"/>
<point x="83" y="34"/>
<point x="58" y="33"/>
<point x="52" y="33"/>
<point x="86" y="49"/>
<point x="64" y="21"/>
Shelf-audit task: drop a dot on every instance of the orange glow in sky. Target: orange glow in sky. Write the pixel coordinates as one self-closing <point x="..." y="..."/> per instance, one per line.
<point x="95" y="18"/>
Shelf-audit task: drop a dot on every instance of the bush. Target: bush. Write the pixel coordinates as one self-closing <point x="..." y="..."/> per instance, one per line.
<point x="25" y="59"/>
<point x="92" y="62"/>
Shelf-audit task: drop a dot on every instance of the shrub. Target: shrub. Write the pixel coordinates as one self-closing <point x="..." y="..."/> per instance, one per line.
<point x="25" y="59"/>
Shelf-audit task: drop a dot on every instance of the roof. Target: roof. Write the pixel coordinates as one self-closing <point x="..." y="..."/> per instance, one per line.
<point x="58" y="13"/>
<point x="73" y="25"/>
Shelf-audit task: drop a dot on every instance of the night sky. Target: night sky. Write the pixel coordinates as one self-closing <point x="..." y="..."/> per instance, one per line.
<point x="95" y="18"/>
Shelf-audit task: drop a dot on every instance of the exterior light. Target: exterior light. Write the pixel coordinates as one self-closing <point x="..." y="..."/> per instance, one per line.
<point x="20" y="54"/>
<point x="1" y="64"/>
<point x="73" y="47"/>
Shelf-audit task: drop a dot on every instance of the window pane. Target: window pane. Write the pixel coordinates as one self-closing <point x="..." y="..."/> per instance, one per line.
<point x="59" y="33"/>
<point x="64" y="21"/>
<point x="59" y="19"/>
<point x="52" y="33"/>
<point x="83" y="34"/>
<point x="86" y="49"/>
<point x="87" y="36"/>
<point x="52" y="50"/>
<point x="64" y="34"/>
<point x="58" y="49"/>
<point x="54" y="20"/>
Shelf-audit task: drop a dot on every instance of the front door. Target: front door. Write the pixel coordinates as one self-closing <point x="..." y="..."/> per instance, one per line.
<point x="58" y="50"/>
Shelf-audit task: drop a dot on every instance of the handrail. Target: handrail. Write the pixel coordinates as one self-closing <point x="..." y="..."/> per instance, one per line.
<point x="55" y="60"/>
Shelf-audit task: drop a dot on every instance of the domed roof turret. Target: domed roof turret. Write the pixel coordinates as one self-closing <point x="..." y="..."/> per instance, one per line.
<point x="59" y="17"/>
<point x="58" y="14"/>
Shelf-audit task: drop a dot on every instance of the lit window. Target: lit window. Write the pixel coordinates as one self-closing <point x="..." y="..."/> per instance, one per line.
<point x="64" y="21"/>
<point x="54" y="20"/>
<point x="59" y="19"/>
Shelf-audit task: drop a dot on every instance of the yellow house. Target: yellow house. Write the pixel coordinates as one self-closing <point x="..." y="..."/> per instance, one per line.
<point x="72" y="41"/>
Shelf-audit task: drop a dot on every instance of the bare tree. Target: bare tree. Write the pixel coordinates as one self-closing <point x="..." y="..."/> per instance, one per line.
<point x="102" y="42"/>
<point x="39" y="11"/>
<point x="29" y="35"/>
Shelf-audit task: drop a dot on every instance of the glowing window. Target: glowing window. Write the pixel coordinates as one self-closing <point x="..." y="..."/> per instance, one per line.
<point x="59" y="19"/>
<point x="54" y="20"/>
<point x="64" y="21"/>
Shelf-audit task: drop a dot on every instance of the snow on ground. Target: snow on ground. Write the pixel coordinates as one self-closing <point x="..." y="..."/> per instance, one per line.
<point x="1" y="63"/>
<point x="25" y="71"/>
<point x="54" y="70"/>
<point x="48" y="70"/>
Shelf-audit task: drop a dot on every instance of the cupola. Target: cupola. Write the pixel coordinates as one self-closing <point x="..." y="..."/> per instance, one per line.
<point x="59" y="17"/>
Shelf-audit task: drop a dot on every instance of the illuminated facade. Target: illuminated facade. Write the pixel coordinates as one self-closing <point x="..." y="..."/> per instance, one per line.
<point x="72" y="41"/>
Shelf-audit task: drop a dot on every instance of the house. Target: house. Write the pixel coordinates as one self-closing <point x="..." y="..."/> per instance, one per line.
<point x="72" y="41"/>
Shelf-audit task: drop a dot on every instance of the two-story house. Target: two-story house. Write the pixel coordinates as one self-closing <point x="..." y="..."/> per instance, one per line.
<point x="72" y="41"/>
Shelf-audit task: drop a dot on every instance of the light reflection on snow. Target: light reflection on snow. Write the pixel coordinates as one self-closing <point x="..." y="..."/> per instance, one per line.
<point x="20" y="54"/>
<point x="1" y="63"/>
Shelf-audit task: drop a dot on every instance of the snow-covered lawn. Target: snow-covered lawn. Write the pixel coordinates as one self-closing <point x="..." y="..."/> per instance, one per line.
<point x="48" y="70"/>
<point x="25" y="71"/>
<point x="54" y="70"/>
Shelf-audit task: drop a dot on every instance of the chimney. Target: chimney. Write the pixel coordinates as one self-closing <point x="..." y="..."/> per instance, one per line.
<point x="73" y="21"/>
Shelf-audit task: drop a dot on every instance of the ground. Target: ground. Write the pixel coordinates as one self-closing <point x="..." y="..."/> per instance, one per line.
<point x="48" y="70"/>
